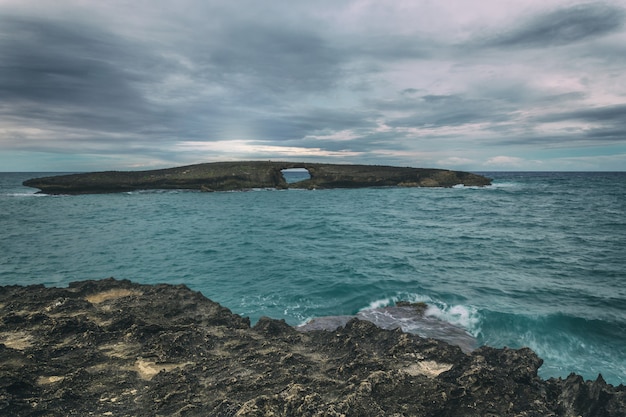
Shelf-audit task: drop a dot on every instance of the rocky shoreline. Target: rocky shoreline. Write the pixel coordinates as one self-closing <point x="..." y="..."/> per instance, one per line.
<point x="118" y="348"/>
<point x="245" y="175"/>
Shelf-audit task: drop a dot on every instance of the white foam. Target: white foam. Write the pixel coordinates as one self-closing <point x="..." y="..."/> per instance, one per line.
<point x="504" y="185"/>
<point x="466" y="317"/>
<point x="384" y="302"/>
<point x="33" y="194"/>
<point x="471" y="187"/>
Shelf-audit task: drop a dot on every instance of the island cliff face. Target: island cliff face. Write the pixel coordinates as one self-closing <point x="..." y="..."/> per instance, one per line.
<point x="228" y="176"/>
<point x="118" y="348"/>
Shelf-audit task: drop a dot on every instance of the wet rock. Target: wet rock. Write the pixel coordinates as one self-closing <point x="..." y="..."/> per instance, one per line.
<point x="577" y="397"/>
<point x="410" y="317"/>
<point x="113" y="347"/>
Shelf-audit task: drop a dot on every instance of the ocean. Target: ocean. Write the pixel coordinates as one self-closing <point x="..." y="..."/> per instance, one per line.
<point x="538" y="259"/>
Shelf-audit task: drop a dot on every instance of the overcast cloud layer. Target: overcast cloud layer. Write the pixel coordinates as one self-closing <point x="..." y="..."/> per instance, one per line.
<point x="460" y="84"/>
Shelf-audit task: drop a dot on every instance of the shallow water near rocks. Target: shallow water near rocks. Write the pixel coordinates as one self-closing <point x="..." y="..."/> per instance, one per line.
<point x="535" y="260"/>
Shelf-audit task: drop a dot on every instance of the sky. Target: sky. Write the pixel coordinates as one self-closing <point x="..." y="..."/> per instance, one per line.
<point x="477" y="85"/>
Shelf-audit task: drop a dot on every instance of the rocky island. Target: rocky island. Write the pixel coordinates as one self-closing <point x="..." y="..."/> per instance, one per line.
<point x="117" y="348"/>
<point x="228" y="176"/>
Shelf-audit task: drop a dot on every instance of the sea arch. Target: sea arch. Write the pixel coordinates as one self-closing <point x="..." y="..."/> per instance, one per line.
<point x="295" y="174"/>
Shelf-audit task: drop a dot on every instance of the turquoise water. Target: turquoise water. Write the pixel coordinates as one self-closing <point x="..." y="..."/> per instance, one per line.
<point x="537" y="259"/>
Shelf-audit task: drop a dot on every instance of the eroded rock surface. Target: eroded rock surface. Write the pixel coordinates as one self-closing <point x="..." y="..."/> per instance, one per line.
<point x="117" y="348"/>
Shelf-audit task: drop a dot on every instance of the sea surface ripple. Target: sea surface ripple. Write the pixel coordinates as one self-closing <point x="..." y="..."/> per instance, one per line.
<point x="535" y="260"/>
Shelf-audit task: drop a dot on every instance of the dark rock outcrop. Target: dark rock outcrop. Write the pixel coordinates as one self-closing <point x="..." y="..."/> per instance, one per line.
<point x="228" y="176"/>
<point x="117" y="348"/>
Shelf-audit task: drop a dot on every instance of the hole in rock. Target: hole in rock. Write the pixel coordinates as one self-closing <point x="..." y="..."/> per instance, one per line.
<point x="292" y="175"/>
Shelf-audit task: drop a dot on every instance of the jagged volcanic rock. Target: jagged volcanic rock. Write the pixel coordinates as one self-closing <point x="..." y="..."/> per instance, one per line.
<point x="117" y="348"/>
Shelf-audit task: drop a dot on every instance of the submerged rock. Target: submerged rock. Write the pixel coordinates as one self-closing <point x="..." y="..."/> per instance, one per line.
<point x="409" y="317"/>
<point x="245" y="175"/>
<point x="118" y="348"/>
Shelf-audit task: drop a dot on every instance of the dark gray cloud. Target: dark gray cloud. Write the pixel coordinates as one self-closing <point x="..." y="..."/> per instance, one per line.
<point x="313" y="121"/>
<point x="83" y="77"/>
<point x="179" y="82"/>
<point x="606" y="123"/>
<point x="273" y="58"/>
<point x="431" y="110"/>
<point x="587" y="127"/>
<point x="615" y="113"/>
<point x="562" y="27"/>
<point x="51" y="63"/>
<point x="66" y="74"/>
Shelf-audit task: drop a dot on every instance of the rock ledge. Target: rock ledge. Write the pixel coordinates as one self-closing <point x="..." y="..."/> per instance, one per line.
<point x="117" y="348"/>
